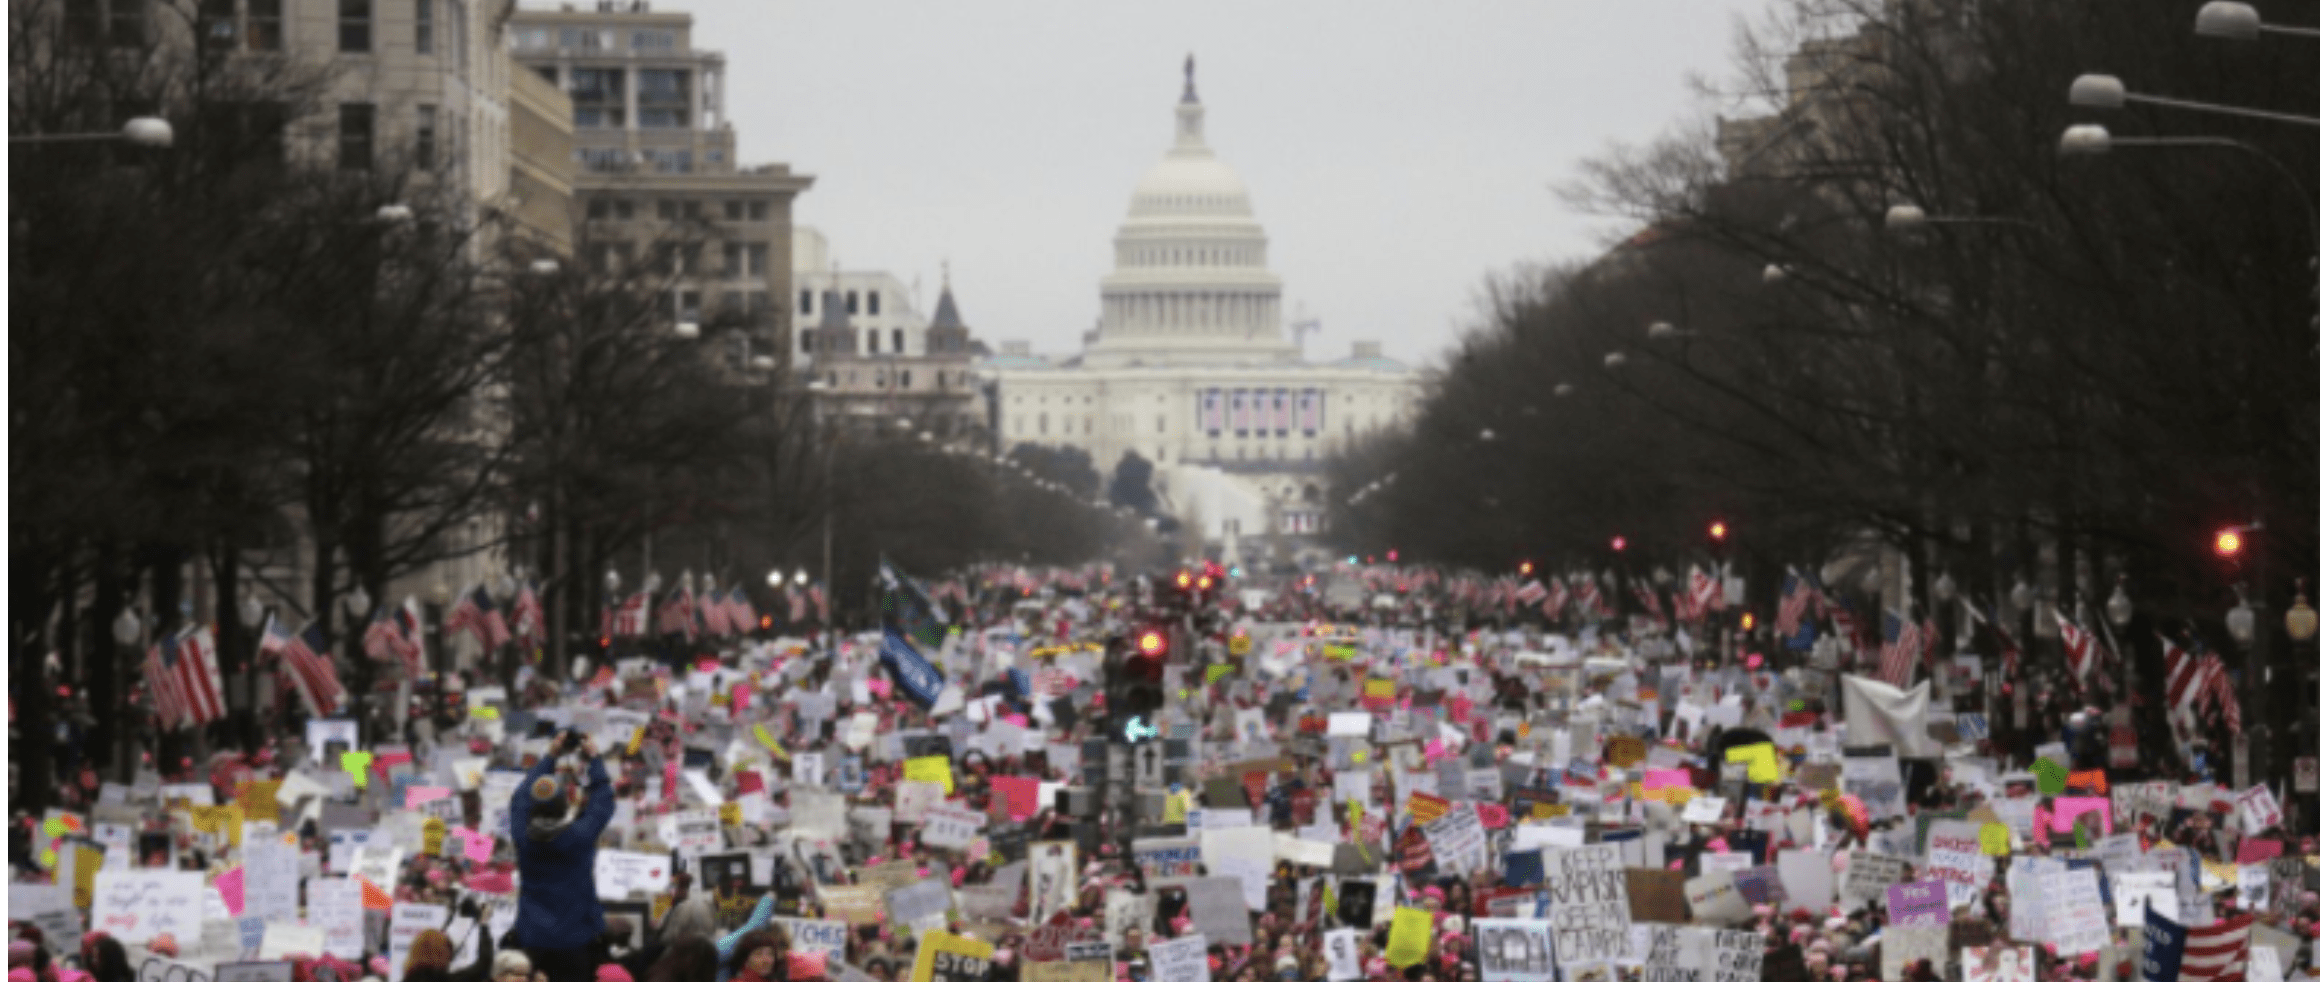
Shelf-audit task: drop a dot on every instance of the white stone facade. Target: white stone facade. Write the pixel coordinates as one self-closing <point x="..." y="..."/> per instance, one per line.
<point x="1189" y="366"/>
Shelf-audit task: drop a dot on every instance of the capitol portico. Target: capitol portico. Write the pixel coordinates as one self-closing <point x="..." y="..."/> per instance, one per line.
<point x="1189" y="366"/>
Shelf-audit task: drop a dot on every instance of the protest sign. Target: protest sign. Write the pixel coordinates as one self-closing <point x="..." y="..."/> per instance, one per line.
<point x="1589" y="896"/>
<point x="1514" y="949"/>
<point x="946" y="957"/>
<point x="1457" y="841"/>
<point x="404" y="923"/>
<point x="1182" y="960"/>
<point x="1999" y="963"/>
<point x="1218" y="909"/>
<point x="1903" y="947"/>
<point x="1342" y="949"/>
<point x="135" y="905"/>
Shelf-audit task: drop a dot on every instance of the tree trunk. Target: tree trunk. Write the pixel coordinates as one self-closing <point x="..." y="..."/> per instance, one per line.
<point x="108" y="671"/>
<point x="165" y="563"/>
<point x="236" y="648"/>
<point x="32" y="601"/>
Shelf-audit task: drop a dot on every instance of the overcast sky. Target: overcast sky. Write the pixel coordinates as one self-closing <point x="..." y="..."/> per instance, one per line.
<point x="1397" y="151"/>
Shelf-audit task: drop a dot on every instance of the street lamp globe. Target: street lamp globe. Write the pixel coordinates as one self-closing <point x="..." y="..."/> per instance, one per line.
<point x="358" y="601"/>
<point x="1661" y="331"/>
<point x="125" y="627"/>
<point x="799" y="577"/>
<point x="1775" y="274"/>
<point x="1487" y="435"/>
<point x="1904" y="217"/>
<point x="442" y="592"/>
<point x="149" y="131"/>
<point x="2098" y="91"/>
<point x="2229" y="20"/>
<point x="773" y="579"/>
<point x="1944" y="587"/>
<point x="708" y="583"/>
<point x="546" y="267"/>
<point x="612" y="581"/>
<point x="2085" y="140"/>
<point x="687" y="330"/>
<point x="251" y="610"/>
<point x="2118" y="608"/>
<point x="652" y="581"/>
<point x="395" y="214"/>
<point x="2302" y="621"/>
<point x="2241" y="620"/>
<point x="2021" y="596"/>
<point x="1615" y="359"/>
<point x="1563" y="389"/>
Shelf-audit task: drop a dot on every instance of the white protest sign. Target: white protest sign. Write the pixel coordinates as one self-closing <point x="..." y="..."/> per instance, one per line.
<point x="1515" y="950"/>
<point x="618" y="872"/>
<point x="952" y="827"/>
<point x="135" y="905"/>
<point x="334" y="906"/>
<point x="1457" y="841"/>
<point x="404" y="923"/>
<point x="1182" y="960"/>
<point x="2135" y="892"/>
<point x="1342" y="947"/>
<point x="1588" y="888"/>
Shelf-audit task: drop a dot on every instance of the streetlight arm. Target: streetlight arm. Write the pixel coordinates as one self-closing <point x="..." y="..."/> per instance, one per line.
<point x="2209" y="107"/>
<point x="2303" y="196"/>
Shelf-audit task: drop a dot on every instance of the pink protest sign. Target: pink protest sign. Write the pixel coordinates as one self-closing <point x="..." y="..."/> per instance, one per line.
<point x="417" y="795"/>
<point x="2067" y="810"/>
<point x="1667" y="777"/>
<point x="229" y="887"/>
<point x="1022" y="795"/>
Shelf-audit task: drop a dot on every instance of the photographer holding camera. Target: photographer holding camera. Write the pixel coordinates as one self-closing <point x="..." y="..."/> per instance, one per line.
<point x="557" y="913"/>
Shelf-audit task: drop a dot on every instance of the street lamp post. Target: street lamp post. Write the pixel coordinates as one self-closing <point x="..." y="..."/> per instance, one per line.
<point x="2108" y="92"/>
<point x="2235" y="21"/>
<point x="143" y="131"/>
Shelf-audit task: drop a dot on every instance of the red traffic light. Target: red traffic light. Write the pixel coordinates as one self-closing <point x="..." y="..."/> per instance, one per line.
<point x="1747" y="621"/>
<point x="1153" y="643"/>
<point x="1183" y="579"/>
<point x="1618" y="543"/>
<point x="1393" y="555"/>
<point x="2228" y="543"/>
<point x="1716" y="530"/>
<point x="1205" y="582"/>
<point x="1525" y="568"/>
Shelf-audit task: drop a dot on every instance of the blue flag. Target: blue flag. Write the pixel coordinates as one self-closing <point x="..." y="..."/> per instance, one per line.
<point x="918" y="677"/>
<point x="2163" y="945"/>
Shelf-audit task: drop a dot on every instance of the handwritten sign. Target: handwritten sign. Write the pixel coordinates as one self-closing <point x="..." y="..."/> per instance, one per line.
<point x="135" y="905"/>
<point x="1588" y="888"/>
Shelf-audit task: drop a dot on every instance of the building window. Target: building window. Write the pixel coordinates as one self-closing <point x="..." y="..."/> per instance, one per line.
<point x="689" y="306"/>
<point x="665" y="209"/>
<point x="733" y="209"/>
<point x="356" y="121"/>
<point x="599" y="209"/>
<point x="423" y="26"/>
<point x="354" y="25"/>
<point x="853" y="302"/>
<point x="547" y="72"/>
<point x="805" y="342"/>
<point x="874" y="304"/>
<point x="265" y="30"/>
<point x="665" y="87"/>
<point x="805" y="301"/>
<point x="534" y="39"/>
<point x="758" y="211"/>
<point x="1042" y="424"/>
<point x="906" y="378"/>
<point x="653" y="40"/>
<point x="218" y="27"/>
<point x="756" y="254"/>
<point x="423" y="140"/>
<point x="872" y="337"/>
<point x="599" y="85"/>
<point x="599" y="117"/>
<point x="897" y="331"/>
<point x="692" y="210"/>
<point x="623" y="209"/>
<point x="657" y="118"/>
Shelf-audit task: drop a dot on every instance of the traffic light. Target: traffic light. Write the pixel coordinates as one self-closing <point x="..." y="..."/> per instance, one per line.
<point x="1618" y="543"/>
<point x="1152" y="642"/>
<point x="1525" y="568"/>
<point x="1717" y="530"/>
<point x="1747" y="621"/>
<point x="2229" y="543"/>
<point x="1184" y="579"/>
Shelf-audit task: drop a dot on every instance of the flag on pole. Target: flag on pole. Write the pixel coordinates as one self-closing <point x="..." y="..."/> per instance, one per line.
<point x="1558" y="597"/>
<point x="676" y="613"/>
<point x="379" y="639"/>
<point x="2079" y="648"/>
<point x="712" y="614"/>
<point x="412" y="647"/>
<point x="630" y="619"/>
<point x="2186" y="676"/>
<point x="2217" y="690"/>
<point x="528" y="621"/>
<point x="161" y="682"/>
<point x="1707" y="593"/>
<point x="306" y="663"/>
<point x="797" y="604"/>
<point x="739" y="611"/>
<point x="1531" y="593"/>
<point x="1796" y="601"/>
<point x="1897" y="656"/>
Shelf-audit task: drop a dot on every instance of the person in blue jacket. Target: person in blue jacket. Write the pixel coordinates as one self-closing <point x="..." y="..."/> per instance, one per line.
<point x="557" y="913"/>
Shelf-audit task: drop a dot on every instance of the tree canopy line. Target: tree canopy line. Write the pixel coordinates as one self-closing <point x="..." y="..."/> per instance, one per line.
<point x="221" y="355"/>
<point x="2118" y="362"/>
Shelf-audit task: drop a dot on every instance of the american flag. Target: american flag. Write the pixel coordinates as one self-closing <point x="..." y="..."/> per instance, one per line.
<point x="1649" y="598"/>
<point x="1558" y="597"/>
<point x="307" y="668"/>
<point x="740" y="611"/>
<point x="821" y="604"/>
<point x="2218" y="690"/>
<point x="413" y="647"/>
<point x="492" y="625"/>
<point x="1847" y="626"/>
<point x="1707" y="593"/>
<point x="797" y="605"/>
<point x="1588" y="597"/>
<point x="382" y="639"/>
<point x="1797" y="598"/>
<point x="1532" y="593"/>
<point x="2216" y="952"/>
<point x="528" y="621"/>
<point x="2079" y="648"/>
<point x="629" y="620"/>
<point x="676" y="613"/>
<point x="1897" y="656"/>
<point x="182" y="671"/>
<point x="2186" y="676"/>
<point x="712" y="615"/>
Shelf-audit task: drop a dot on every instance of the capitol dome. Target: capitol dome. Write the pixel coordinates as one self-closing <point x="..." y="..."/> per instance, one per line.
<point x="1189" y="281"/>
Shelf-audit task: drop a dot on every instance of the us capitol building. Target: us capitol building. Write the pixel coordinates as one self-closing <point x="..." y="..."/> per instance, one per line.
<point x="1189" y="368"/>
